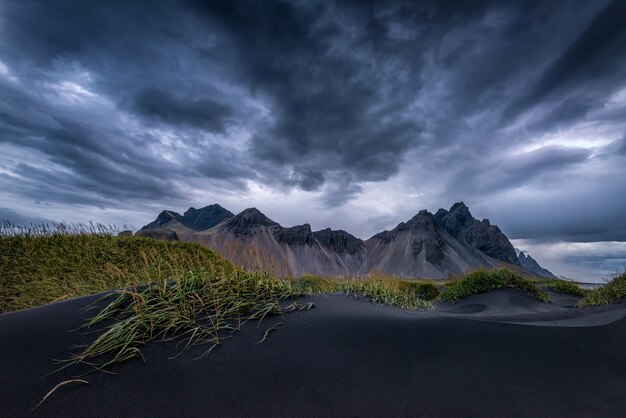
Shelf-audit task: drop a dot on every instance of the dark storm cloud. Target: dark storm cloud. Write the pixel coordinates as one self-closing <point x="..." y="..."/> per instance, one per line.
<point x="104" y="104"/>
<point x="335" y="105"/>
<point x="104" y="163"/>
<point x="594" y="58"/>
<point x="572" y="206"/>
<point x="202" y="113"/>
<point x="522" y="168"/>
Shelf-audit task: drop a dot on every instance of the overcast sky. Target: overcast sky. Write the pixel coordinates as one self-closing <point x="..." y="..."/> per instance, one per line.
<point x="343" y="114"/>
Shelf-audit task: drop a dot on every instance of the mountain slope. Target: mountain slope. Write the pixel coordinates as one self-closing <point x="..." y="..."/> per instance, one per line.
<point x="529" y="263"/>
<point x="437" y="246"/>
<point x="487" y="238"/>
<point x="418" y="248"/>
<point x="256" y="242"/>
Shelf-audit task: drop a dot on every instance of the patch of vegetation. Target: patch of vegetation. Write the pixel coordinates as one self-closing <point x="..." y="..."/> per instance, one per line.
<point x="563" y="286"/>
<point x="43" y="267"/>
<point x="486" y="281"/>
<point x="408" y="294"/>
<point x="201" y="307"/>
<point x="387" y="292"/>
<point x="609" y="293"/>
<point x="427" y="291"/>
<point x="314" y="284"/>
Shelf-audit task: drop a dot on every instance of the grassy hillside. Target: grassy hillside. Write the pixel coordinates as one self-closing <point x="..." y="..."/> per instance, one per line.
<point x="39" y="269"/>
<point x="566" y="287"/>
<point x="487" y="280"/>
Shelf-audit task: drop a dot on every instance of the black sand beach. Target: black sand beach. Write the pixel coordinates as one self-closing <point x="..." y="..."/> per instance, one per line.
<point x="497" y="354"/>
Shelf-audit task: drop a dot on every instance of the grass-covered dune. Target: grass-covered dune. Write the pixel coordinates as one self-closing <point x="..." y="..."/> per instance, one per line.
<point x="39" y="269"/>
<point x="610" y="292"/>
<point x="483" y="281"/>
<point x="563" y="286"/>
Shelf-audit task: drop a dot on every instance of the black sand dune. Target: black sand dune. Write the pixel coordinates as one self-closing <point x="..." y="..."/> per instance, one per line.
<point x="485" y="356"/>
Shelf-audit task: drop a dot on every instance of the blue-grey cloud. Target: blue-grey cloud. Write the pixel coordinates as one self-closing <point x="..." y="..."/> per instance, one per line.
<point x="595" y="58"/>
<point x="18" y="219"/>
<point x="203" y="113"/>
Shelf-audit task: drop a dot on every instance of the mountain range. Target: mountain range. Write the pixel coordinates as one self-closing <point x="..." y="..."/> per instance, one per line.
<point x="437" y="246"/>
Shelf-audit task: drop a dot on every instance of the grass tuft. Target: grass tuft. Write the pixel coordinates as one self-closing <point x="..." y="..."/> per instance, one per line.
<point x="609" y="293"/>
<point x="201" y="307"/>
<point x="488" y="280"/>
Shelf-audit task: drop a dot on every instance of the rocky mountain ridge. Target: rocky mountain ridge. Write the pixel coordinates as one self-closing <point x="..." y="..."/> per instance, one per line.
<point x="445" y="244"/>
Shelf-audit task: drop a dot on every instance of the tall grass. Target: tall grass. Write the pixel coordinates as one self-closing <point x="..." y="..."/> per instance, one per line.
<point x="41" y="265"/>
<point x="45" y="229"/>
<point x="201" y="307"/>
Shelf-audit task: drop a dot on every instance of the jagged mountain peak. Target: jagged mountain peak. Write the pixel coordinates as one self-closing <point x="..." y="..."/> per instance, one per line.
<point x="209" y="208"/>
<point x="423" y="238"/>
<point x="422" y="222"/>
<point x="254" y="216"/>
<point x="423" y="219"/>
<point x="454" y="220"/>
<point x="244" y="222"/>
<point x="529" y="263"/>
<point x="299" y="234"/>
<point x="162" y="220"/>
<point x="205" y="218"/>
<point x="339" y="241"/>
<point x="459" y="207"/>
<point x="196" y="219"/>
<point x="440" y="214"/>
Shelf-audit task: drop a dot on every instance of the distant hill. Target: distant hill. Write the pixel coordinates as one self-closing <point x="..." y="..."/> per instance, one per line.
<point x="165" y="225"/>
<point x="448" y="243"/>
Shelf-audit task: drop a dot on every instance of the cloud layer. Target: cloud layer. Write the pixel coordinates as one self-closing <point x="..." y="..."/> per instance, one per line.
<point x="345" y="114"/>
